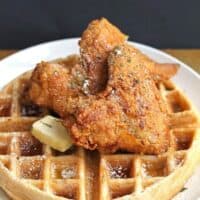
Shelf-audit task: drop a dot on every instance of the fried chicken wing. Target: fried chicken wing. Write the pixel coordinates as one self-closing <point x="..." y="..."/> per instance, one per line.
<point x="159" y="71"/>
<point x="129" y="114"/>
<point x="97" y="41"/>
<point x="107" y="98"/>
<point x="57" y="84"/>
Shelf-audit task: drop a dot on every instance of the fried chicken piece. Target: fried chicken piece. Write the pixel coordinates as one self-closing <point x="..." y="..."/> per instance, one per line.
<point x="159" y="71"/>
<point x="129" y="115"/>
<point x="56" y="85"/>
<point x="96" y="42"/>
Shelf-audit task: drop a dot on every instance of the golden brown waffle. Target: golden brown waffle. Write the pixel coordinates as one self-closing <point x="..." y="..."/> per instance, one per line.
<point x="156" y="177"/>
<point x="60" y="174"/>
<point x="30" y="170"/>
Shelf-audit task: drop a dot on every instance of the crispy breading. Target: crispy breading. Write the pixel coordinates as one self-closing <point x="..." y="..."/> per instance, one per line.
<point x="129" y="114"/>
<point x="159" y="71"/>
<point x="96" y="42"/>
<point x="57" y="84"/>
<point x="108" y="99"/>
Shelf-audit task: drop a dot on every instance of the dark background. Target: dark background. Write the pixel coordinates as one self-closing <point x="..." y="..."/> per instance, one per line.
<point x="160" y="23"/>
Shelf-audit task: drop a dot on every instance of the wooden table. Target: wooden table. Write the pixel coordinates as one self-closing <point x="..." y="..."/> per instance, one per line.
<point x="188" y="56"/>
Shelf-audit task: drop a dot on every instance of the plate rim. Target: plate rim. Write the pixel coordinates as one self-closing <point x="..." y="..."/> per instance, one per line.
<point x="138" y="44"/>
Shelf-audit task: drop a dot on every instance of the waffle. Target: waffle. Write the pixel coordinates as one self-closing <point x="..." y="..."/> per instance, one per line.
<point x="30" y="170"/>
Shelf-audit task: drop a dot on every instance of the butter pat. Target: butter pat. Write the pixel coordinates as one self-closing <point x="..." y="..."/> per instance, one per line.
<point x="50" y="131"/>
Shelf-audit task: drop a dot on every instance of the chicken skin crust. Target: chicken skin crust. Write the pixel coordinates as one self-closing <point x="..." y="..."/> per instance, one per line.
<point x="128" y="114"/>
<point x="107" y="97"/>
<point x="58" y="85"/>
<point x="96" y="42"/>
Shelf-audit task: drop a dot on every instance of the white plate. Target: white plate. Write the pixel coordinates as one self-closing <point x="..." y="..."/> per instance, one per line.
<point x="186" y="79"/>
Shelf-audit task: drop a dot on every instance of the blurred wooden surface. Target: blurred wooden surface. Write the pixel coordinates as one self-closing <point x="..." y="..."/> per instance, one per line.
<point x="5" y="53"/>
<point x="188" y="56"/>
